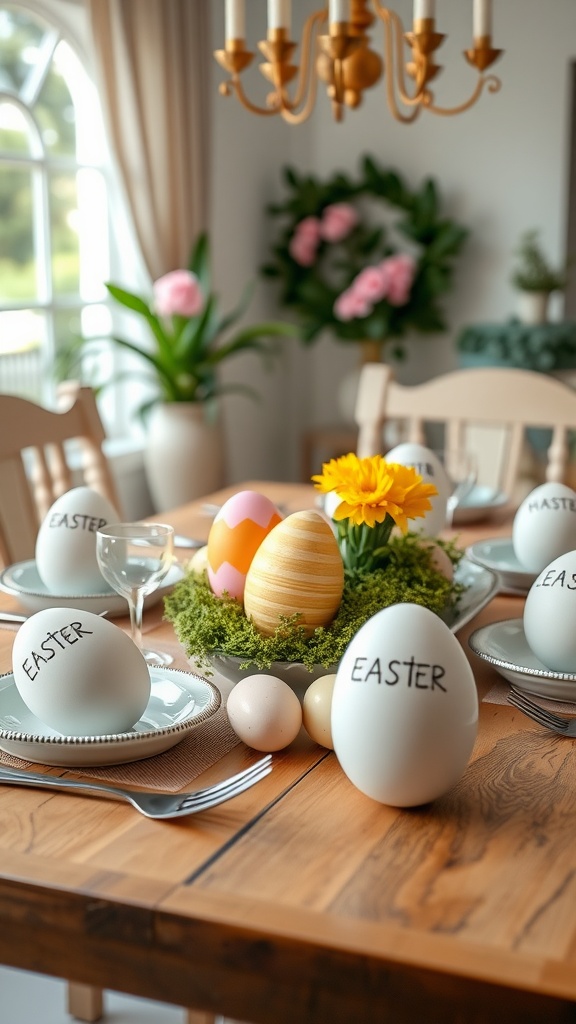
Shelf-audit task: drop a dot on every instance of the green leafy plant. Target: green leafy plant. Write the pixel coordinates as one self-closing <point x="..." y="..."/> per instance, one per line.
<point x="190" y="337"/>
<point x="533" y="272"/>
<point x="342" y="271"/>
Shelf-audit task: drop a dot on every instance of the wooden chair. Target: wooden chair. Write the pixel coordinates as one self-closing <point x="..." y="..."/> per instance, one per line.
<point x="471" y="404"/>
<point x="35" y="449"/>
<point x="36" y="445"/>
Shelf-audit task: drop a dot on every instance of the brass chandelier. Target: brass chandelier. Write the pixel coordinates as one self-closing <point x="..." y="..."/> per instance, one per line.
<point x="335" y="49"/>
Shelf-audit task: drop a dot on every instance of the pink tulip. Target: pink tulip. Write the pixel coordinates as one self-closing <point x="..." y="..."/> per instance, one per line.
<point x="338" y="220"/>
<point x="398" y="272"/>
<point x="371" y="284"/>
<point x="178" y="294"/>
<point x="349" y="306"/>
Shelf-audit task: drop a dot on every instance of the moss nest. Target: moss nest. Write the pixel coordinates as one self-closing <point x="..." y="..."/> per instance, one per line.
<point x="207" y="625"/>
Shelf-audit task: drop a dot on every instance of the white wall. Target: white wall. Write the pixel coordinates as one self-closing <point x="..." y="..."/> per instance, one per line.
<point x="502" y="167"/>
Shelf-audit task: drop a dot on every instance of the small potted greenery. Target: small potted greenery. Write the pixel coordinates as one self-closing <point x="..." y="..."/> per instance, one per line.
<point x="535" y="279"/>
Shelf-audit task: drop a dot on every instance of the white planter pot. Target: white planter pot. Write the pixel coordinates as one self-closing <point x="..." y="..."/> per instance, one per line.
<point x="532" y="307"/>
<point x="184" y="456"/>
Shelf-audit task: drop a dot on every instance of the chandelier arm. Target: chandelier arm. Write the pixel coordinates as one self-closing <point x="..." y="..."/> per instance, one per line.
<point x="393" y="32"/>
<point x="308" y="47"/>
<point x="269" y="111"/>
<point x="492" y="83"/>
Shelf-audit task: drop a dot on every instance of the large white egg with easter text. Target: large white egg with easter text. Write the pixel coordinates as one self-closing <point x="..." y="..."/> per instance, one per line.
<point x="404" y="707"/>
<point x="544" y="526"/>
<point x="80" y="674"/>
<point x="428" y="465"/>
<point x="66" y="543"/>
<point x="550" y="614"/>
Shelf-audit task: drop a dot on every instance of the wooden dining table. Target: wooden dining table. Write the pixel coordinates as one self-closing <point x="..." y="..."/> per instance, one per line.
<point x="303" y="901"/>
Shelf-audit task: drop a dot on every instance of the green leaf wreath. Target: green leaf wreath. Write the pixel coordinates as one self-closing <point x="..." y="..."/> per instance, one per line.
<point x="329" y="243"/>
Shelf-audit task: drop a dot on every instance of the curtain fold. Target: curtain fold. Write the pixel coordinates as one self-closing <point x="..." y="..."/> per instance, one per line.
<point x="154" y="75"/>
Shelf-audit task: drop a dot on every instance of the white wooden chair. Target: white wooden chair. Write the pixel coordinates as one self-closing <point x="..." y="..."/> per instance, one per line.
<point x="36" y="445"/>
<point x="472" y="404"/>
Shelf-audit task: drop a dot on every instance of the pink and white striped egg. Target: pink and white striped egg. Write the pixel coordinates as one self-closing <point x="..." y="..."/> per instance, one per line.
<point x="235" y="536"/>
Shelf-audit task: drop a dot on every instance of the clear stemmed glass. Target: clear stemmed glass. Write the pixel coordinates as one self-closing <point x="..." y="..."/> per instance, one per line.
<point x="134" y="559"/>
<point x="462" y="471"/>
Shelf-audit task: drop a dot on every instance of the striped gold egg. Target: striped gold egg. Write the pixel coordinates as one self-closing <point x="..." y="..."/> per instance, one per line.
<point x="297" y="568"/>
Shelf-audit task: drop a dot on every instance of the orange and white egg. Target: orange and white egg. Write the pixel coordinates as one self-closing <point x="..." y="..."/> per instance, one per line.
<point x="297" y="568"/>
<point x="235" y="535"/>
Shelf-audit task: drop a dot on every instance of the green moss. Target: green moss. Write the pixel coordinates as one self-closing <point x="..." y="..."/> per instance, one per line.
<point x="206" y="624"/>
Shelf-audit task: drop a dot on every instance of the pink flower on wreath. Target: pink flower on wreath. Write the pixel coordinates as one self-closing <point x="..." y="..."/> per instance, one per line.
<point x="371" y="284"/>
<point x="305" y="241"/>
<point x="338" y="220"/>
<point x="350" y="305"/>
<point x="178" y="294"/>
<point x="398" y="272"/>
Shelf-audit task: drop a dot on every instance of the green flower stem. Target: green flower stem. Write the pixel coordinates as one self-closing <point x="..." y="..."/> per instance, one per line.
<point x="362" y="547"/>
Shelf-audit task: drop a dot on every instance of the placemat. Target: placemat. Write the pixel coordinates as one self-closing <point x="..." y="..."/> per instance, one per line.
<point x="175" y="768"/>
<point x="499" y="695"/>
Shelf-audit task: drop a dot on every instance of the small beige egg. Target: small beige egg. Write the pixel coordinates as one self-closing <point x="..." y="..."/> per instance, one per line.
<point x="199" y="561"/>
<point x="297" y="568"/>
<point x="264" y="712"/>
<point x="317" y="710"/>
<point x="440" y="560"/>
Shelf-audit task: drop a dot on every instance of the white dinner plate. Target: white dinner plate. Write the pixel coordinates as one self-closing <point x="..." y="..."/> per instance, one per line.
<point x="498" y="555"/>
<point x="504" y="645"/>
<point x="480" y="503"/>
<point x="481" y="583"/>
<point x="179" y="702"/>
<point x="22" y="581"/>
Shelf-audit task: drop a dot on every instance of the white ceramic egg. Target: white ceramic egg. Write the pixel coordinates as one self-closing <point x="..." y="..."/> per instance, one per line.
<point x="404" y="707"/>
<point x="544" y="526"/>
<point x="298" y="568"/>
<point x="80" y="674"/>
<point x="264" y="712"/>
<point x="66" y="543"/>
<point x="550" y="614"/>
<point x="428" y="465"/>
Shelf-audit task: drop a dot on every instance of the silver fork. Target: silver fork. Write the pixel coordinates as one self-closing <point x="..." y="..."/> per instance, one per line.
<point x="558" y="723"/>
<point x="150" y="803"/>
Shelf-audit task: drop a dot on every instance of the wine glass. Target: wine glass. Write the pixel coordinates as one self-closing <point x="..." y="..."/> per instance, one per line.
<point x="134" y="559"/>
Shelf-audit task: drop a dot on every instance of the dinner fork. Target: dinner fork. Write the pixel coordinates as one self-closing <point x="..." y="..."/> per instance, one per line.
<point x="148" y="802"/>
<point x="558" y="723"/>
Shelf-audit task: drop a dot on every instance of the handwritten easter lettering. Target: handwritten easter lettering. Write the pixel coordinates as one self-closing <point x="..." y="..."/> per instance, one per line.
<point x="553" y="576"/>
<point x="60" y="638"/>
<point x="420" y="675"/>
<point x="77" y="521"/>
<point x="555" y="504"/>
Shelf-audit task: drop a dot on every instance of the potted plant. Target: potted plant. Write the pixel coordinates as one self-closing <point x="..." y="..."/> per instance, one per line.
<point x="535" y="279"/>
<point x="190" y="339"/>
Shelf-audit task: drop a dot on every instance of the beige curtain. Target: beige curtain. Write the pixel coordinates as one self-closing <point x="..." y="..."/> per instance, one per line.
<point x="154" y="68"/>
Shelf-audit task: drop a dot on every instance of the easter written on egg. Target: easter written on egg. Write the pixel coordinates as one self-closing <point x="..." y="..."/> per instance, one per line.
<point x="313" y="578"/>
<point x="66" y="543"/>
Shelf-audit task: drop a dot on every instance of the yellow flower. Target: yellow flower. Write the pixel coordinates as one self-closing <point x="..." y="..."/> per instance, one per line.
<point x="372" y="488"/>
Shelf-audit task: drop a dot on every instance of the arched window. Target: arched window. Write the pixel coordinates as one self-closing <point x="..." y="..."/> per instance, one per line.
<point x="55" y="241"/>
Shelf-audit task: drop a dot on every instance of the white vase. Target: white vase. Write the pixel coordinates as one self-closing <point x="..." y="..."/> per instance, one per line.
<point x="184" y="456"/>
<point x="532" y="307"/>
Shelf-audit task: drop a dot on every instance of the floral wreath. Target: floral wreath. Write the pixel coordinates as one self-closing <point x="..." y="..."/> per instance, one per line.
<point x="342" y="272"/>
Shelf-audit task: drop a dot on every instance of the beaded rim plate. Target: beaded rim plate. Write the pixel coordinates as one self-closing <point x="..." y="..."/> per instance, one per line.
<point x="179" y="701"/>
<point x="504" y="645"/>
<point x="22" y="581"/>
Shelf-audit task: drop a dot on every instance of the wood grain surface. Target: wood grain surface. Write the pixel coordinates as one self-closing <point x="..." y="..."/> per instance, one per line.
<point x="302" y="901"/>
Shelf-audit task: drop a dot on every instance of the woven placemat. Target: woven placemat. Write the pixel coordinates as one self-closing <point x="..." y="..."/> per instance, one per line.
<point x="173" y="769"/>
<point x="499" y="695"/>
